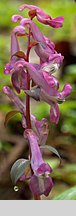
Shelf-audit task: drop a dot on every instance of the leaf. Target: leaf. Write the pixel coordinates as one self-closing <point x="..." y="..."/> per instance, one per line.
<point x="18" y="169"/>
<point x="20" y="54"/>
<point x="69" y="194"/>
<point x="9" y="115"/>
<point x="52" y="149"/>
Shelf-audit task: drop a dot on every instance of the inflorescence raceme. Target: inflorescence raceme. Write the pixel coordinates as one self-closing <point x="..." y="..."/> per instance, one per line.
<point x="46" y="88"/>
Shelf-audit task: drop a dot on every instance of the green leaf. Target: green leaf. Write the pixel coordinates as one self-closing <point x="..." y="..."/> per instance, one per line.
<point x="69" y="194"/>
<point x="9" y="115"/>
<point x="51" y="149"/>
<point x="18" y="169"/>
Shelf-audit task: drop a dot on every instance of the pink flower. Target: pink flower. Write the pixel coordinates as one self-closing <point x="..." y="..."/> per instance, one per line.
<point x="18" y="75"/>
<point x="40" y="182"/>
<point x="35" y="170"/>
<point x="45" y="48"/>
<point x="15" y="99"/>
<point x="40" y="128"/>
<point x="48" y="90"/>
<point x="42" y="16"/>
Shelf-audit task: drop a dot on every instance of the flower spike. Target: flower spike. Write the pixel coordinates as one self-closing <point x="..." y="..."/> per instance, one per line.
<point x="37" y="81"/>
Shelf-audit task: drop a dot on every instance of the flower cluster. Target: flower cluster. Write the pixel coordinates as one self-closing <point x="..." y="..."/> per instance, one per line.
<point x="46" y="88"/>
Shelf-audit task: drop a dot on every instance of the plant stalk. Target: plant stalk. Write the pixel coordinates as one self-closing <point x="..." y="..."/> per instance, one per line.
<point x="28" y="121"/>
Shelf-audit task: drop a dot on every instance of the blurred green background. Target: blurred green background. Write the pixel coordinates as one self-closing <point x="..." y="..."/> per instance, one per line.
<point x="61" y="136"/>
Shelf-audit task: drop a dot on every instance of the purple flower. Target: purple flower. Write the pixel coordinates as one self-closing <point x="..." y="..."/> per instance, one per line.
<point x="42" y="16"/>
<point x="35" y="170"/>
<point x="41" y="49"/>
<point x="40" y="128"/>
<point x="45" y="49"/>
<point x="48" y="84"/>
<point x="48" y="90"/>
<point x="41" y="185"/>
<point x="15" y="99"/>
<point x="16" y="18"/>
<point x="53" y="99"/>
<point x="18" y="75"/>
<point x="40" y="182"/>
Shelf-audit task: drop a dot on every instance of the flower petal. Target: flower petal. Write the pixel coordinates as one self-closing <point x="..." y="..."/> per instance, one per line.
<point x="35" y="74"/>
<point x="42" y="130"/>
<point x="19" y="80"/>
<point x="48" y="185"/>
<point x="43" y="17"/>
<point x="7" y="69"/>
<point x="18" y="30"/>
<point x="31" y="7"/>
<point x="51" y="80"/>
<point x="40" y="185"/>
<point x="16" y="81"/>
<point x="55" y="22"/>
<point x="36" y="156"/>
<point x="56" y="58"/>
<point x="44" y="168"/>
<point x="37" y="34"/>
<point x="42" y="50"/>
<point x="16" y="17"/>
<point x="14" y="98"/>
<point x="67" y="89"/>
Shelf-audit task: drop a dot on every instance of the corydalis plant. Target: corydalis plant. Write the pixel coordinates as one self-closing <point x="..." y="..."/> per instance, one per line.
<point x="46" y="88"/>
